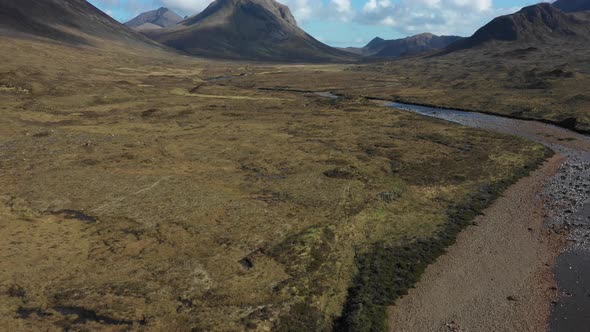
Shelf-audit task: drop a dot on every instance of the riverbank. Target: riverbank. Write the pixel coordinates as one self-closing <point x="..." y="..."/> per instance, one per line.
<point x="563" y="197"/>
<point x="497" y="277"/>
<point x="569" y="124"/>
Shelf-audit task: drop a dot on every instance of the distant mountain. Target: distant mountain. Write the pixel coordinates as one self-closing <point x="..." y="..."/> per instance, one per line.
<point x="70" y="21"/>
<point x="372" y="48"/>
<point x="246" y="29"/>
<point x="569" y="6"/>
<point x="155" y="19"/>
<point x="421" y="43"/>
<point x="416" y="44"/>
<point x="536" y="25"/>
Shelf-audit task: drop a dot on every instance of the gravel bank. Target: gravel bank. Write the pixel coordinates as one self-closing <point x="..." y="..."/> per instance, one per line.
<point x="496" y="272"/>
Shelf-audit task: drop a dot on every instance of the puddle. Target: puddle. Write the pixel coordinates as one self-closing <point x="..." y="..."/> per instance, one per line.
<point x="327" y="95"/>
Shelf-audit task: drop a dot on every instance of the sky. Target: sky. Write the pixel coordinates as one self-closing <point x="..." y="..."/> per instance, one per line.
<point x="344" y="23"/>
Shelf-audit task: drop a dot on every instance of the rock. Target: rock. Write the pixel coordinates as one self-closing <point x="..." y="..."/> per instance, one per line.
<point x="246" y="263"/>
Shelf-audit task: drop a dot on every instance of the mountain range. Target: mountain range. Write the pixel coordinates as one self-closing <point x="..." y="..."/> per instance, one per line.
<point x="265" y="30"/>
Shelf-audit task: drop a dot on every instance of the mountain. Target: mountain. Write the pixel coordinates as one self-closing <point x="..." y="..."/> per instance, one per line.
<point x="416" y="44"/>
<point x="403" y="47"/>
<point x="246" y="29"/>
<point x="373" y="47"/>
<point x="569" y="6"/>
<point x="540" y="24"/>
<point x="69" y="21"/>
<point x="155" y="19"/>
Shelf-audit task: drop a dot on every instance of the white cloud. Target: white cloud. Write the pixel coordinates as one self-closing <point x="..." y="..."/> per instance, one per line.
<point x="457" y="17"/>
<point x="304" y="10"/>
<point x="342" y="6"/>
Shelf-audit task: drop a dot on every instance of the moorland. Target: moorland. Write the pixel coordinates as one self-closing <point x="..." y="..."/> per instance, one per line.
<point x="143" y="188"/>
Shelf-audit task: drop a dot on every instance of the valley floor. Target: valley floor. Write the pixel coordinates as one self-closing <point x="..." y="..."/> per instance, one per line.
<point x="163" y="192"/>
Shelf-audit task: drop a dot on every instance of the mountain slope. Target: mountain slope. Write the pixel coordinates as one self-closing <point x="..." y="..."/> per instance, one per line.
<point x="246" y="29"/>
<point x="572" y="5"/>
<point x="405" y="46"/>
<point x="70" y="21"/>
<point x="540" y="24"/>
<point x="155" y="19"/>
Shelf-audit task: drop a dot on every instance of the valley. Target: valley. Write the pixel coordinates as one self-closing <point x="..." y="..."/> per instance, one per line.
<point x="274" y="186"/>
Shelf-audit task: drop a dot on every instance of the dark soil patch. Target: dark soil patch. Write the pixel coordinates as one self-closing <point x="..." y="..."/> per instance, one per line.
<point x="25" y="313"/>
<point x="74" y="214"/>
<point x="86" y="315"/>
<point x="344" y="173"/>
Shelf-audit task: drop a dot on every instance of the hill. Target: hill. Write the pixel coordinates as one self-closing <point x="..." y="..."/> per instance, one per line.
<point x="155" y="19"/>
<point x="69" y="21"/>
<point x="247" y="29"/>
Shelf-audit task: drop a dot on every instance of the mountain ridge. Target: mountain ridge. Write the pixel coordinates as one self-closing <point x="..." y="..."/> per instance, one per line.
<point x="71" y="21"/>
<point x="569" y="6"/>
<point x="538" y="24"/>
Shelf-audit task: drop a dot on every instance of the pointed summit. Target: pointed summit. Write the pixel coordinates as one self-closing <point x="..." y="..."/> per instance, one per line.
<point x="155" y="19"/>
<point x="376" y="42"/>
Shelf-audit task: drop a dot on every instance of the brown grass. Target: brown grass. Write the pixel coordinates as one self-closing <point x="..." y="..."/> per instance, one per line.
<point x="185" y="211"/>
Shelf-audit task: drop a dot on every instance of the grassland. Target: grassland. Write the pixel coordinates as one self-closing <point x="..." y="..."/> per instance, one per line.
<point x="159" y="192"/>
<point x="546" y="84"/>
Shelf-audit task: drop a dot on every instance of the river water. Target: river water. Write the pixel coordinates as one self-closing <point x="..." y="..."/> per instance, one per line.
<point x="568" y="204"/>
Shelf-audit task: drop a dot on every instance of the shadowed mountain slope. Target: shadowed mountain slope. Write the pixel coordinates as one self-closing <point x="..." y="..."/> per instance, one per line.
<point x="70" y="21"/>
<point x="572" y="5"/>
<point x="538" y="25"/>
<point x="247" y="29"/>
<point x="155" y="19"/>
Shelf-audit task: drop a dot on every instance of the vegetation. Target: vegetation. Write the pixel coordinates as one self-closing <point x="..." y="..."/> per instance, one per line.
<point x="387" y="271"/>
<point x="164" y="192"/>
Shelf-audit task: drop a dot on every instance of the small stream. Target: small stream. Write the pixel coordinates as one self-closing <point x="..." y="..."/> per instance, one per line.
<point x="568" y="204"/>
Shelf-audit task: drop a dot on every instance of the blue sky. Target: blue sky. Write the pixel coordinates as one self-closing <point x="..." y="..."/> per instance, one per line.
<point x="355" y="22"/>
